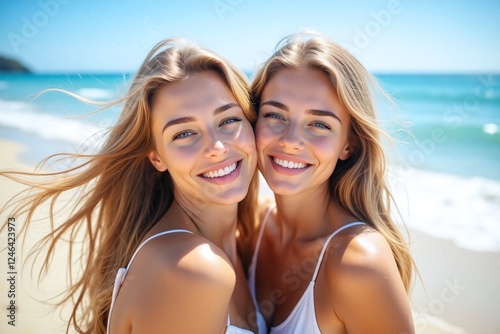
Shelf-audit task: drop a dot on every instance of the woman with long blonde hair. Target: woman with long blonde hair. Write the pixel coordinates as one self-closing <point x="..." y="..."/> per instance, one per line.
<point x="328" y="257"/>
<point x="161" y="203"/>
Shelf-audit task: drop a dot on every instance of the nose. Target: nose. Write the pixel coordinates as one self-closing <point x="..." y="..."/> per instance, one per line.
<point x="216" y="146"/>
<point x="291" y="139"/>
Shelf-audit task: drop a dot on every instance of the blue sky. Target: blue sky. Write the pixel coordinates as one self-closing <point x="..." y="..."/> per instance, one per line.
<point x="387" y="36"/>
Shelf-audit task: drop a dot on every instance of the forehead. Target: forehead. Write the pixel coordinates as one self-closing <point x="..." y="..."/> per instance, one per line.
<point x="200" y="91"/>
<point x="302" y="88"/>
<point x="303" y="84"/>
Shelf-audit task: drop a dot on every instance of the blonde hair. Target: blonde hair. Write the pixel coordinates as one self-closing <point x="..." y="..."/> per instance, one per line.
<point x="121" y="195"/>
<point x="358" y="183"/>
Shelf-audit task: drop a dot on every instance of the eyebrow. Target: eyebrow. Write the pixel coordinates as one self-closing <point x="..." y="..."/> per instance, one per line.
<point x="225" y="107"/>
<point x="319" y="112"/>
<point x="275" y="104"/>
<point x="188" y="119"/>
<point x="315" y="112"/>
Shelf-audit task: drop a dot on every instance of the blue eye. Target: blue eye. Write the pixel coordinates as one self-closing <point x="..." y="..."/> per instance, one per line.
<point x="183" y="134"/>
<point x="322" y="125"/>
<point x="229" y="120"/>
<point x="274" y="115"/>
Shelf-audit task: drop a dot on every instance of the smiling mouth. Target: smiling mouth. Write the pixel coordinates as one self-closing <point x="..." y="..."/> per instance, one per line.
<point x="289" y="164"/>
<point x="220" y="172"/>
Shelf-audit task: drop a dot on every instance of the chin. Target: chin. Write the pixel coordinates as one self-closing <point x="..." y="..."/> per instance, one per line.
<point x="230" y="197"/>
<point x="284" y="188"/>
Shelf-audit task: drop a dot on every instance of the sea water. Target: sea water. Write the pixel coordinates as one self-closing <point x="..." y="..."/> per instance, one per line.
<point x="447" y="130"/>
<point x="453" y="122"/>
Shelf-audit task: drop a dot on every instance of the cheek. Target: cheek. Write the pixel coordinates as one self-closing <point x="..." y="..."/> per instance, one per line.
<point x="186" y="154"/>
<point x="263" y="136"/>
<point x="327" y="149"/>
<point x="249" y="145"/>
<point x="244" y="139"/>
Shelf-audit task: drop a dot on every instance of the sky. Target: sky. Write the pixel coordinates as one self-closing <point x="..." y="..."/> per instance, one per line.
<point x="390" y="36"/>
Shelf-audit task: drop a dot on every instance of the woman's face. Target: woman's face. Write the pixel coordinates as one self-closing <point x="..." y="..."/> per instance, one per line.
<point x="203" y="139"/>
<point x="301" y="131"/>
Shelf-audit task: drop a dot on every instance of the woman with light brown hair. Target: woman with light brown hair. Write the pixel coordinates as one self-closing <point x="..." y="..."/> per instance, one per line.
<point x="161" y="203"/>
<point x="328" y="257"/>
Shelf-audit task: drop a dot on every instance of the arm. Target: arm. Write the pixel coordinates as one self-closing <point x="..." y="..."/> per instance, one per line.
<point x="185" y="292"/>
<point x="368" y="294"/>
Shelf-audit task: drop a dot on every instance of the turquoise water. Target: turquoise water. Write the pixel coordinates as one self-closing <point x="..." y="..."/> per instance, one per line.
<point x="454" y="120"/>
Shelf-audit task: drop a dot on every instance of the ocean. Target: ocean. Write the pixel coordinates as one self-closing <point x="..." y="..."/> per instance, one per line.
<point x="453" y="122"/>
<point x="446" y="129"/>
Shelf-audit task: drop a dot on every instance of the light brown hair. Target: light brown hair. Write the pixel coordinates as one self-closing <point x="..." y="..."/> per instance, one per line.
<point x="120" y="194"/>
<point x="359" y="182"/>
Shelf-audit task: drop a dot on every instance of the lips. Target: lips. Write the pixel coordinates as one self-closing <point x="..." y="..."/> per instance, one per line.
<point x="221" y="172"/>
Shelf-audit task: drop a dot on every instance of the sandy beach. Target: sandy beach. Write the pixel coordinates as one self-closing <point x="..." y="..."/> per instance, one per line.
<point x="34" y="313"/>
<point x="461" y="288"/>
<point x="458" y="292"/>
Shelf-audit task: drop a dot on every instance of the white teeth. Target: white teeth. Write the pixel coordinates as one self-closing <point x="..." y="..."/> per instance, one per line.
<point x="289" y="164"/>
<point x="221" y="172"/>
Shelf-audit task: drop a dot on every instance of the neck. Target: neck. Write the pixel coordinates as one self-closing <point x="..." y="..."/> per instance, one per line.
<point x="308" y="215"/>
<point x="216" y="223"/>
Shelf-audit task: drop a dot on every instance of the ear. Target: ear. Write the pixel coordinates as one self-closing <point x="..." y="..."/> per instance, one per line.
<point x="156" y="161"/>
<point x="346" y="152"/>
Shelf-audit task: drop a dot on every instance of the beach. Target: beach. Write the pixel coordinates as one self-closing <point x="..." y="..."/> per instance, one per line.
<point x="445" y="181"/>
<point x="461" y="287"/>
<point x="18" y="285"/>
<point x="457" y="291"/>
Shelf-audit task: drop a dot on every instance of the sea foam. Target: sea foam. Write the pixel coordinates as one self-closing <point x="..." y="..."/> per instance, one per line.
<point x="27" y="118"/>
<point x="463" y="210"/>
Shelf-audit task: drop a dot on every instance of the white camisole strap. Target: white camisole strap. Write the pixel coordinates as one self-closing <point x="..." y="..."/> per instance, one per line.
<point x="150" y="238"/>
<point x="253" y="264"/>
<point x="261" y="233"/>
<point x="325" y="246"/>
<point x="122" y="272"/>
<point x="261" y="322"/>
<point x="302" y="319"/>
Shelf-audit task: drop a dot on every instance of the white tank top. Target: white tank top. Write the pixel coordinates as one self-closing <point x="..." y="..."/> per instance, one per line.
<point x="302" y="319"/>
<point x="122" y="272"/>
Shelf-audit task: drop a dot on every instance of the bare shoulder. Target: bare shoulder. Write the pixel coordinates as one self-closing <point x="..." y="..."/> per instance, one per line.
<point x="363" y="252"/>
<point x="176" y="278"/>
<point x="189" y="257"/>
<point x="364" y="283"/>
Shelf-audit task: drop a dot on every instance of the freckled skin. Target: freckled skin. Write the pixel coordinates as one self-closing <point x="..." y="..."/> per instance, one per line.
<point x="358" y="277"/>
<point x="207" y="143"/>
<point x="295" y="136"/>
<point x="198" y="128"/>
